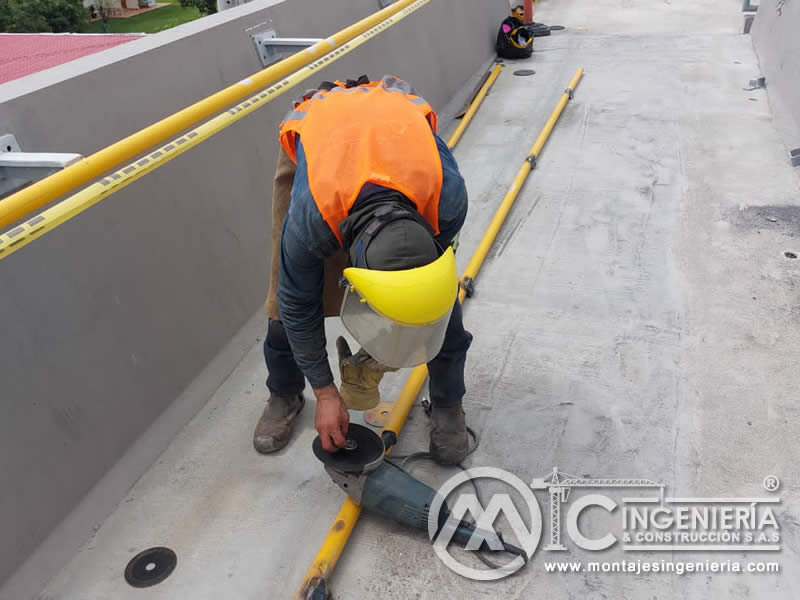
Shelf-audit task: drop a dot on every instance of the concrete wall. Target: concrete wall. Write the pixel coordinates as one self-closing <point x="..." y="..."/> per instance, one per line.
<point x="776" y="37"/>
<point x="110" y="317"/>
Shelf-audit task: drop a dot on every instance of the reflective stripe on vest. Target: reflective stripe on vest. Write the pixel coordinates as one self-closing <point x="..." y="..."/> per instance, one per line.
<point x="380" y="132"/>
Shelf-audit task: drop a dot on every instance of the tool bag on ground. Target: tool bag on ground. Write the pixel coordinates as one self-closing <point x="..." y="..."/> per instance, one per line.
<point x="514" y="40"/>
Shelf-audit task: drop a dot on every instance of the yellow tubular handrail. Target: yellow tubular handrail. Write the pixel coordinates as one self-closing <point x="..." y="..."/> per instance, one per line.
<point x="33" y="228"/>
<point x="462" y="127"/>
<point x="505" y="206"/>
<point x="45" y="191"/>
<point x="334" y="543"/>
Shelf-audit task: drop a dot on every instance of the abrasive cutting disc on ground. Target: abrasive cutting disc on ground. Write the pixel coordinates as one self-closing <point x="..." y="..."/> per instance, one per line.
<point x="364" y="447"/>
<point x="150" y="567"/>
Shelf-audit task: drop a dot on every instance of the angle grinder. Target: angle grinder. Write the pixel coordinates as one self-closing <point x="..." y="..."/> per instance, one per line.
<point x="376" y="484"/>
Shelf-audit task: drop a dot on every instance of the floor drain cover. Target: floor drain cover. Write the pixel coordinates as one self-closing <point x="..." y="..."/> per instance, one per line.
<point x="524" y="72"/>
<point x="150" y="567"/>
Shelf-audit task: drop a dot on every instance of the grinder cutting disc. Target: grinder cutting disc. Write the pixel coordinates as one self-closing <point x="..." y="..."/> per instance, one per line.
<point x="364" y="451"/>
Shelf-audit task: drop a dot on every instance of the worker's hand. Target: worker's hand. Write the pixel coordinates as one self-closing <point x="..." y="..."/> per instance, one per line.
<point x="331" y="419"/>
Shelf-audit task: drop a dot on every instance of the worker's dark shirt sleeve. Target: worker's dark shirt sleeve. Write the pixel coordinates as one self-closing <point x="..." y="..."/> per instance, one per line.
<point x="453" y="201"/>
<point x="305" y="243"/>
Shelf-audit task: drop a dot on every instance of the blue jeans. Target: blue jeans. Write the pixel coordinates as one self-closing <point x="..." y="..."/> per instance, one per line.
<point x="446" y="370"/>
<point x="284" y="378"/>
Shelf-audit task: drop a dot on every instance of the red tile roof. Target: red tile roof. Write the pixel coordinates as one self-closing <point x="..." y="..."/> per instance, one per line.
<point x="22" y="54"/>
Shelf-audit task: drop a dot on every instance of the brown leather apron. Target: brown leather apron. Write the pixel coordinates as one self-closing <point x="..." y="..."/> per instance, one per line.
<point x="281" y="195"/>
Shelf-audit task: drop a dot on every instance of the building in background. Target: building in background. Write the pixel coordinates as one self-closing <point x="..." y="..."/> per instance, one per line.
<point x="124" y="4"/>
<point x="27" y="53"/>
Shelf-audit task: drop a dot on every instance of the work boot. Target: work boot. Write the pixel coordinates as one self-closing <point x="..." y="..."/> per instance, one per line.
<point x="449" y="437"/>
<point x="275" y="425"/>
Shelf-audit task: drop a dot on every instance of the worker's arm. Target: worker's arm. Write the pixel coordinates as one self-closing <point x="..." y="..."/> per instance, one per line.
<point x="305" y="243"/>
<point x="300" y="297"/>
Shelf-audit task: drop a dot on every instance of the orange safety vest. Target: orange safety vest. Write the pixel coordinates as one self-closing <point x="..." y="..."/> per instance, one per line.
<point x="380" y="132"/>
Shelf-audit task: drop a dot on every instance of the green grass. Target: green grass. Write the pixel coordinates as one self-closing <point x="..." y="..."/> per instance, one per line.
<point x="154" y="21"/>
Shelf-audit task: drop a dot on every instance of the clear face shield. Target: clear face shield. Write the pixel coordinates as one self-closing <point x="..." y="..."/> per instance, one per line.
<point x="401" y="317"/>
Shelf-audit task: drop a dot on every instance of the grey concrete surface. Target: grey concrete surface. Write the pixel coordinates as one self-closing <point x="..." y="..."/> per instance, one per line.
<point x="637" y="317"/>
<point x="116" y="314"/>
<point x="777" y="43"/>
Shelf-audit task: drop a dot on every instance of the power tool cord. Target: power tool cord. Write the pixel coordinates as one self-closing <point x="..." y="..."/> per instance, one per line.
<point x="405" y="459"/>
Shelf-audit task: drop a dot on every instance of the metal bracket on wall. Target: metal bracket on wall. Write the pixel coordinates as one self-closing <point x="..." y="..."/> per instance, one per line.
<point x="748" y="22"/>
<point x="794" y="155"/>
<point x="18" y="168"/>
<point x="271" y="48"/>
<point x="750" y="14"/>
<point x="756" y="84"/>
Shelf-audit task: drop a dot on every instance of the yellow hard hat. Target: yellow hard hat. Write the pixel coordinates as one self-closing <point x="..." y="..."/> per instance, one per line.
<point x="400" y="317"/>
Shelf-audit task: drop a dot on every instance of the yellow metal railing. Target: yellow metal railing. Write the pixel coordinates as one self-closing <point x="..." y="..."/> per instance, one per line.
<point x="289" y="72"/>
<point x="473" y="108"/>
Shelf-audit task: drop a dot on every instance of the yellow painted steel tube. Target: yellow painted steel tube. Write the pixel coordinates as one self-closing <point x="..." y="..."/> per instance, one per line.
<point x="406" y="399"/>
<point x="334" y="543"/>
<point x="462" y="127"/>
<point x="505" y="206"/>
<point x="331" y="549"/>
<point x="45" y="191"/>
<point x="33" y="228"/>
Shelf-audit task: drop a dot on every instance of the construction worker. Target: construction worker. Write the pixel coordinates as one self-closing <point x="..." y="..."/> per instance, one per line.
<point x="367" y="206"/>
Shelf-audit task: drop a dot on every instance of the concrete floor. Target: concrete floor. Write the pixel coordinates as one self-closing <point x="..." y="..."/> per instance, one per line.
<point x="636" y="318"/>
